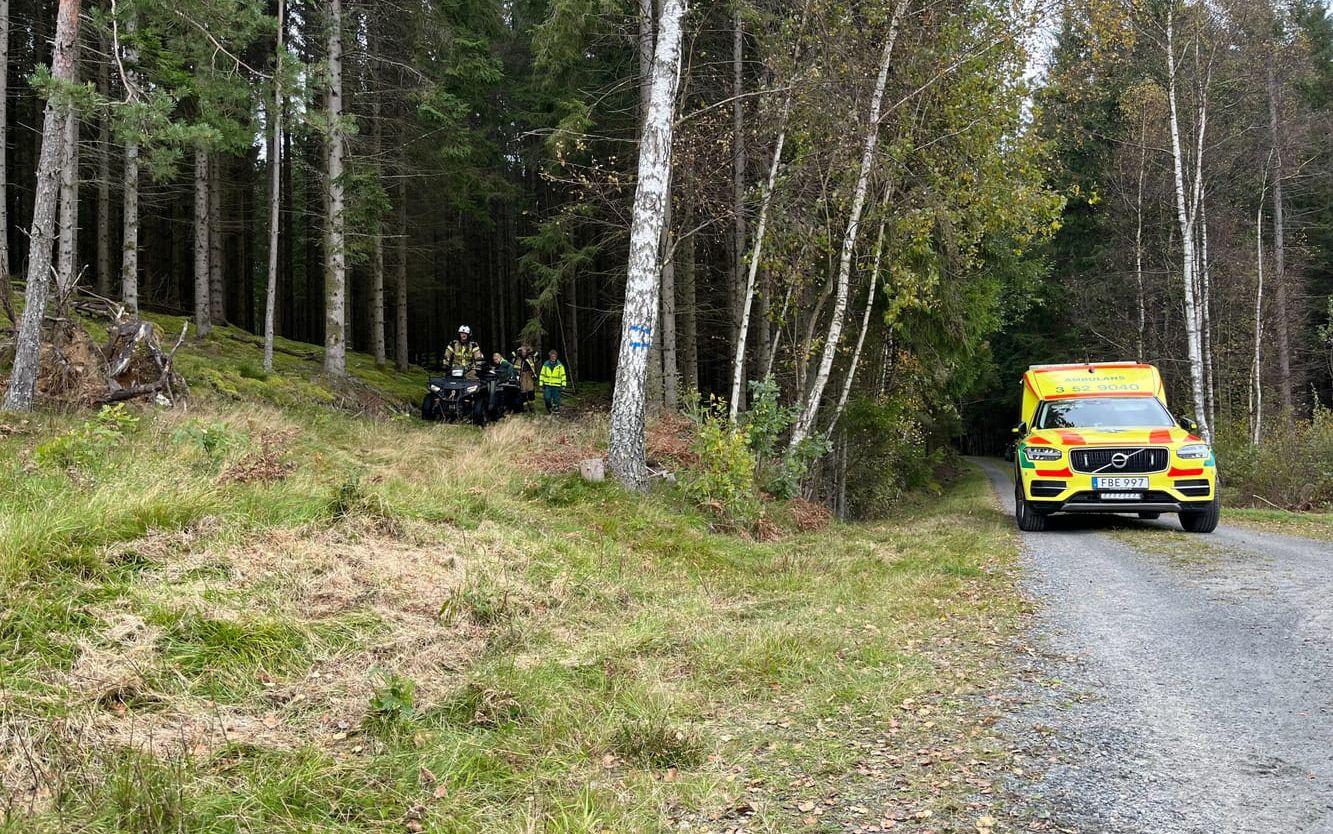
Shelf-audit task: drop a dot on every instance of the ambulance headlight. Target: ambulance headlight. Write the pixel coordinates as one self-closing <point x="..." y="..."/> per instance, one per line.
<point x="1196" y="451"/>
<point x="1042" y="453"/>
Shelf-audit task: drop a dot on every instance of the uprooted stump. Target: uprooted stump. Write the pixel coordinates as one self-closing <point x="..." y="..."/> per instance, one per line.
<point x="74" y="370"/>
<point x="136" y="364"/>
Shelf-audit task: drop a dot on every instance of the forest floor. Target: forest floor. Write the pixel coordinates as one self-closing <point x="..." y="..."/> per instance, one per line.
<point x="288" y="608"/>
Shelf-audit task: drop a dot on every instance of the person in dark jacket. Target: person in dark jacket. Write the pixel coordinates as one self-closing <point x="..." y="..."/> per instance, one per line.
<point x="525" y="363"/>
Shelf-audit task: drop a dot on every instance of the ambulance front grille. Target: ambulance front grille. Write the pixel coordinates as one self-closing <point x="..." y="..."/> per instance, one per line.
<point x="1136" y="461"/>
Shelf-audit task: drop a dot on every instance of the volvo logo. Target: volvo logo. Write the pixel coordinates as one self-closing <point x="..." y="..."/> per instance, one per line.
<point x="1119" y="459"/>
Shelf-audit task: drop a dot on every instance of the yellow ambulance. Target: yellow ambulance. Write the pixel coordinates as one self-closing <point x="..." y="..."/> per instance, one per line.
<point x="1098" y="438"/>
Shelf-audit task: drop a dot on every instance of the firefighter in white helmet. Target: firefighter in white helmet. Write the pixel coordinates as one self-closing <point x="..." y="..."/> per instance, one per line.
<point x="463" y="351"/>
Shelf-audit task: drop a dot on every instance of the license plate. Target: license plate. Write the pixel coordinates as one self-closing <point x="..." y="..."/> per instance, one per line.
<point x="1119" y="483"/>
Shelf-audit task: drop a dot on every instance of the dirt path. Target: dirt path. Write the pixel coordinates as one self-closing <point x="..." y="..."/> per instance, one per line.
<point x="1182" y="683"/>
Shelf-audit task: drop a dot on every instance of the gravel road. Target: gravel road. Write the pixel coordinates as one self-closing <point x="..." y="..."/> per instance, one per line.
<point x="1179" y="683"/>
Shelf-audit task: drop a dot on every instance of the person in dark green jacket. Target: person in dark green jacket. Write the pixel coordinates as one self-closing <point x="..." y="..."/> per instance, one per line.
<point x="553" y="380"/>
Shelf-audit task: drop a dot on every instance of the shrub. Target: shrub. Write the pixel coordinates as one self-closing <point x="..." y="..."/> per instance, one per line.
<point x="723" y="481"/>
<point x="1289" y="468"/>
<point x="83" y="446"/>
<point x="892" y="456"/>
<point x="214" y="439"/>
<point x="394" y="700"/>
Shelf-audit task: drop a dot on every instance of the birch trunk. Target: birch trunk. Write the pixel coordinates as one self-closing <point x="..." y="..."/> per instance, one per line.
<point x="27" y="345"/>
<point x="217" y="291"/>
<point x="400" y="280"/>
<point x="1279" y="246"/>
<point x="627" y="441"/>
<point x="104" y="183"/>
<point x="67" y="269"/>
<point x="377" y="256"/>
<point x="274" y="193"/>
<point x="742" y="334"/>
<point x="4" y="132"/>
<point x="865" y="327"/>
<point x="806" y="422"/>
<point x="335" y="344"/>
<point x="1185" y="207"/>
<point x="203" y="308"/>
<point x="1138" y="232"/>
<point x="645" y="57"/>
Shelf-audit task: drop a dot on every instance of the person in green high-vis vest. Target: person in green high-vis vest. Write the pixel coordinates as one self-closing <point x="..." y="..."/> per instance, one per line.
<point x="553" y="380"/>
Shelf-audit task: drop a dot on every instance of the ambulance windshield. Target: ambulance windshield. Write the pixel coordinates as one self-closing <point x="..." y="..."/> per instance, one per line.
<point x="1103" y="413"/>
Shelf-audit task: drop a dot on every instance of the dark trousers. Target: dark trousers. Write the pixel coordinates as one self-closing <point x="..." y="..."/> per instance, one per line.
<point x="551" y="396"/>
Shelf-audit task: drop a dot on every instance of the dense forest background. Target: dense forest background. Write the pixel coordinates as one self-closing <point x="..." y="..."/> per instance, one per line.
<point x="485" y="169"/>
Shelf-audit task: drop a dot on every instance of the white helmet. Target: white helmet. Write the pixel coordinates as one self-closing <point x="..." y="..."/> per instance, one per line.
<point x="463" y="328"/>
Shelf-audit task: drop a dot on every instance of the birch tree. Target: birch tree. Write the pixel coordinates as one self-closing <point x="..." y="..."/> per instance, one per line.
<point x="27" y="346"/>
<point x="810" y="411"/>
<point x="865" y="328"/>
<point x="335" y="342"/>
<point x="274" y="191"/>
<point x="766" y="200"/>
<point x="642" y="288"/>
<point x="1187" y="202"/>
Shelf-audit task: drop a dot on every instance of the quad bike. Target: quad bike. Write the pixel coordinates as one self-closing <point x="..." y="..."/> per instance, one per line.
<point x="455" y="397"/>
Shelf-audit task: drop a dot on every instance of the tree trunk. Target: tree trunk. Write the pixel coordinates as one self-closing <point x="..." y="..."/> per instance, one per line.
<point x="400" y="280"/>
<point x="645" y="57"/>
<point x="129" y="255"/>
<point x="742" y="333"/>
<point x="1138" y="232"/>
<point x="865" y="327"/>
<point x="1285" y="390"/>
<point x="104" y="182"/>
<point x="642" y="291"/>
<point x="203" y="308"/>
<point x="67" y="269"/>
<point x="687" y="310"/>
<point x="217" y="290"/>
<point x="377" y="258"/>
<point x="1206" y="314"/>
<point x="806" y="422"/>
<point x="274" y="193"/>
<point x="27" y="346"/>
<point x="670" y="369"/>
<point x="739" y="320"/>
<point x="1256" y="368"/>
<point x="1185" y="208"/>
<point x="4" y="133"/>
<point x="335" y="311"/>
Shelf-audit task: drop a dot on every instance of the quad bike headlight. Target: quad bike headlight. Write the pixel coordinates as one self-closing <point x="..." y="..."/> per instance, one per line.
<point x="1042" y="453"/>
<point x="435" y="389"/>
<point x="1196" y="451"/>
<point x="472" y="388"/>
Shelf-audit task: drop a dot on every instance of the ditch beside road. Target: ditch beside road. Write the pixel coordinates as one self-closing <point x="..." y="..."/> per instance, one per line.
<point x="1180" y="683"/>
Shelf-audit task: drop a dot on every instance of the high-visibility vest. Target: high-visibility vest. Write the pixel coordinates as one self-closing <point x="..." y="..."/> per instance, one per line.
<point x="553" y="374"/>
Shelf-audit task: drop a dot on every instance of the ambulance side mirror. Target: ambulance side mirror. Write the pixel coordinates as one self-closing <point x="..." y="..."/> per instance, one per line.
<point x="1021" y="429"/>
<point x="1188" y="424"/>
